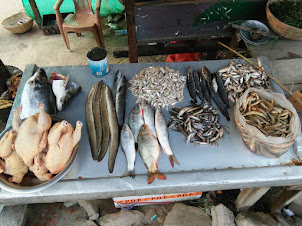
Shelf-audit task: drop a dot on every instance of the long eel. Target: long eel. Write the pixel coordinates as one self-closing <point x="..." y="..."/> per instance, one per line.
<point x="114" y="129"/>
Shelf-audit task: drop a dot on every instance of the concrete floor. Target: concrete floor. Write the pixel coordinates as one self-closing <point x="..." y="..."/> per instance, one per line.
<point x="34" y="47"/>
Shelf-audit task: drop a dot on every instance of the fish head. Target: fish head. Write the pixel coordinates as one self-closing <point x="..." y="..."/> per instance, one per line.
<point x="59" y="89"/>
<point x="39" y="78"/>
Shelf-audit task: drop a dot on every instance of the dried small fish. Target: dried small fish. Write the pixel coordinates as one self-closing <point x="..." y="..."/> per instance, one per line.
<point x="270" y="118"/>
<point x="159" y="86"/>
<point x="199" y="123"/>
<point x="239" y="77"/>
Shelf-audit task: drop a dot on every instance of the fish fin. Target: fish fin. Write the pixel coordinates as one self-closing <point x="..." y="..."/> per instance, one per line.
<point x="173" y="159"/>
<point x="160" y="175"/>
<point x="150" y="178"/>
<point x="129" y="173"/>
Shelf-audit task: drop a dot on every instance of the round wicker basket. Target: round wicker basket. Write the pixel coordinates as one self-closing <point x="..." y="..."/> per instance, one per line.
<point x="281" y="28"/>
<point x="18" y="23"/>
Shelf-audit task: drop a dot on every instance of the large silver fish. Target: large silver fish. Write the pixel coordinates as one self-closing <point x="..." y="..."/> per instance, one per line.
<point x="149" y="150"/>
<point x="136" y="121"/>
<point x="148" y="115"/>
<point x="163" y="136"/>
<point x="37" y="90"/>
<point x="128" y="146"/>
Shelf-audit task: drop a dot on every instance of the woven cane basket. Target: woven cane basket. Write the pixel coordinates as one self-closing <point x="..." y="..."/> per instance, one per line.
<point x="281" y="28"/>
<point x="11" y="23"/>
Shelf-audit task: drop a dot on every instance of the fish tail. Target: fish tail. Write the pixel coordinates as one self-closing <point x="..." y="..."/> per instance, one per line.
<point x="131" y="173"/>
<point x="160" y="175"/>
<point x="172" y="159"/>
<point x="136" y="147"/>
<point x="150" y="178"/>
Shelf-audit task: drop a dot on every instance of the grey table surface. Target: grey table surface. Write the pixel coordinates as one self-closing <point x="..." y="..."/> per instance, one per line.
<point x="230" y="165"/>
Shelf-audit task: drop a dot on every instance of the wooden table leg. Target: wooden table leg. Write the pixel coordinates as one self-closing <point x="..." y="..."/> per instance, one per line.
<point x="35" y="11"/>
<point x="248" y="197"/>
<point x="130" y="16"/>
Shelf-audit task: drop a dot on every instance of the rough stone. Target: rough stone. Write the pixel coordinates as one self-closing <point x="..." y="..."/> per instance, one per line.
<point x="13" y="215"/>
<point x="70" y="204"/>
<point x="187" y="215"/>
<point x="161" y="210"/>
<point x="222" y="216"/>
<point x="90" y="206"/>
<point x="255" y="219"/>
<point x="122" y="218"/>
<point x="94" y="217"/>
<point x="84" y="222"/>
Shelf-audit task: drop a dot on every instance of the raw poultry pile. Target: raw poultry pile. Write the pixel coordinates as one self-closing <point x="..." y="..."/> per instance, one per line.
<point x="159" y="86"/>
<point x="35" y="145"/>
<point x="239" y="77"/>
<point x="270" y="118"/>
<point x="199" y="123"/>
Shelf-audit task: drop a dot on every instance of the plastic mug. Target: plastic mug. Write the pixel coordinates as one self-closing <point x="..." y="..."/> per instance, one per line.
<point x="98" y="61"/>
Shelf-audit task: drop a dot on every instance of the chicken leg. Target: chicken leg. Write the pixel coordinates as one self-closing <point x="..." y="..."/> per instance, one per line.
<point x="6" y="143"/>
<point x="44" y="120"/>
<point x="16" y="118"/>
<point x="39" y="169"/>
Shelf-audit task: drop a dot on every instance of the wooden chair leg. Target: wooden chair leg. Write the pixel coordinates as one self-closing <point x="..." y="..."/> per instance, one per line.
<point x="97" y="37"/>
<point x="100" y="31"/>
<point x="64" y="34"/>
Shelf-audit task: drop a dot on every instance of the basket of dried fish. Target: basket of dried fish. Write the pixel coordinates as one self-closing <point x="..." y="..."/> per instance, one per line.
<point x="267" y="121"/>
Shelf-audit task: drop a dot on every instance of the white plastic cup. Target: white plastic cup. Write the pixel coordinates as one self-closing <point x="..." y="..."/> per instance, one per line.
<point x="98" y="61"/>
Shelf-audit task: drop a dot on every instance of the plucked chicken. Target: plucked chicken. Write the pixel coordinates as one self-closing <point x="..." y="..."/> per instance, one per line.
<point x="61" y="140"/>
<point x="39" y="168"/>
<point x="32" y="135"/>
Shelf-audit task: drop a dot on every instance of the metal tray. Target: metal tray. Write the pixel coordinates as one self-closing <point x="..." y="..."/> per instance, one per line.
<point x="30" y="183"/>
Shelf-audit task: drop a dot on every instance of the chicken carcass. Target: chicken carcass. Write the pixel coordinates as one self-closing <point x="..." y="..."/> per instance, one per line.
<point x="61" y="145"/>
<point x="13" y="165"/>
<point x="32" y="136"/>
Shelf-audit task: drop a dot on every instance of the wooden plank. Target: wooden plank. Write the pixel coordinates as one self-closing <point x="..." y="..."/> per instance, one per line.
<point x="248" y="197"/>
<point x="131" y="29"/>
<point x="284" y="198"/>
<point x="35" y="10"/>
<point x="181" y="21"/>
<point x="171" y="48"/>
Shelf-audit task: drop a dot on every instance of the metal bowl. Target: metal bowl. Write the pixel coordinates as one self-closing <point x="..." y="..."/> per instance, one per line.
<point x="254" y="24"/>
<point x="30" y="183"/>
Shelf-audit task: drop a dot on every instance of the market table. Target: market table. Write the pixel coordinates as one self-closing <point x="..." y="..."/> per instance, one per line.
<point x="230" y="165"/>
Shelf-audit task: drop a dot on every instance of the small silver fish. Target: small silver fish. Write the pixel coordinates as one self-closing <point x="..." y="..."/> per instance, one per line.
<point x="136" y="121"/>
<point x="163" y="136"/>
<point x="148" y="115"/>
<point x="128" y="146"/>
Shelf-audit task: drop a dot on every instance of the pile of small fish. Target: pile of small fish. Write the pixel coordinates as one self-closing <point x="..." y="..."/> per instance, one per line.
<point x="159" y="86"/>
<point x="199" y="123"/>
<point x="146" y="131"/>
<point x="270" y="118"/>
<point x="239" y="77"/>
<point x="205" y="85"/>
